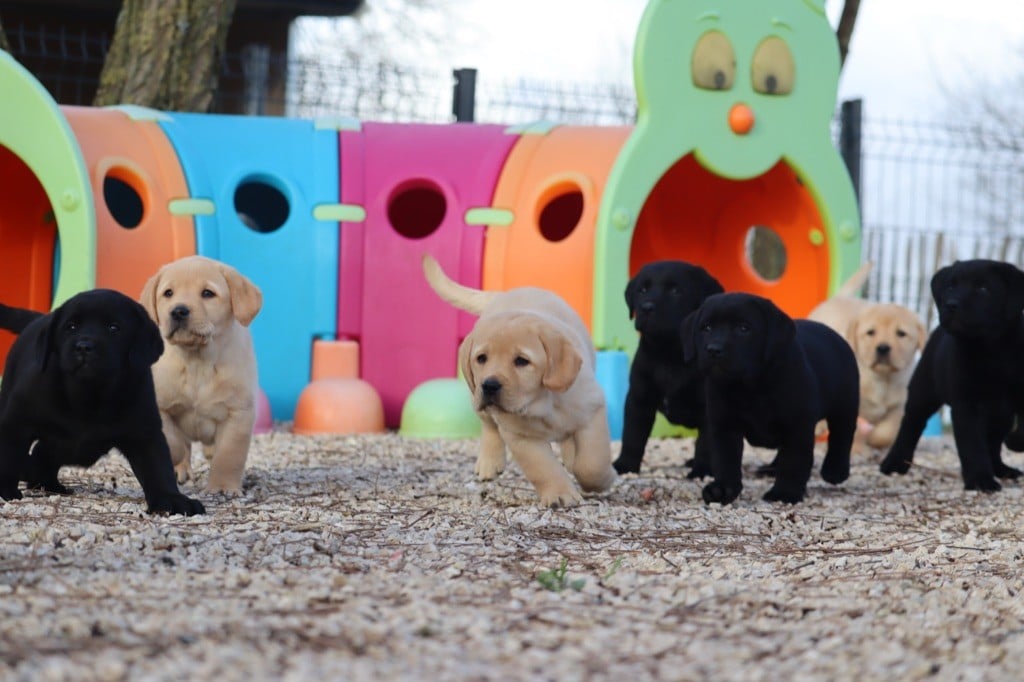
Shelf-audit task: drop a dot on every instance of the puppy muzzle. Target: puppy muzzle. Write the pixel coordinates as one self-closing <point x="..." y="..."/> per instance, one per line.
<point x="490" y="393"/>
<point x="181" y="330"/>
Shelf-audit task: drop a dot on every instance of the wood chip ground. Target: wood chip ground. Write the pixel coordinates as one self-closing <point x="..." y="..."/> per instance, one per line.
<point x="382" y="558"/>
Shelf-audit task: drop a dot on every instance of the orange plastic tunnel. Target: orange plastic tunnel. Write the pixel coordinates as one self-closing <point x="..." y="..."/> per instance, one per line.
<point x="552" y="183"/>
<point x="135" y="176"/>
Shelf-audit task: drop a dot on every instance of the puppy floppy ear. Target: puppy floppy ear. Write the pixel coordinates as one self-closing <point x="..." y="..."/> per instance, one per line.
<point x="564" y="362"/>
<point x="148" y="296"/>
<point x="780" y="330"/>
<point x="465" y="364"/>
<point x="851" y="331"/>
<point x="688" y="333"/>
<point x="940" y="280"/>
<point x="631" y="296"/>
<point x="147" y="346"/>
<point x="46" y="341"/>
<point x="246" y="297"/>
<point x="1014" y="290"/>
<point x="708" y="285"/>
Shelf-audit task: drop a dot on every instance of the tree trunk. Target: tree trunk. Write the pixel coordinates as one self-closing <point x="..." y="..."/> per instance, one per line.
<point x="166" y="54"/>
<point x="844" y="32"/>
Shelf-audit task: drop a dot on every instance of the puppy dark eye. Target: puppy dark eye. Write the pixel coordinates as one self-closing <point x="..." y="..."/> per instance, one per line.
<point x="644" y="288"/>
<point x="870" y="332"/>
<point x="673" y="289"/>
<point x="71" y="325"/>
<point x="982" y="289"/>
<point x="114" y="327"/>
<point x="706" y="327"/>
<point x="900" y="333"/>
<point x="520" y="361"/>
<point x="481" y="359"/>
<point x="208" y="294"/>
<point x="168" y="293"/>
<point x="743" y="328"/>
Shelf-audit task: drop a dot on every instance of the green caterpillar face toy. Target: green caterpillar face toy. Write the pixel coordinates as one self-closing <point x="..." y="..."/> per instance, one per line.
<point x="735" y="103"/>
<point x="740" y="82"/>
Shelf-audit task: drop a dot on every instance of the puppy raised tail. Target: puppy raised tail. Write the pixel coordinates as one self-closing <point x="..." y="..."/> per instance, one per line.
<point x="852" y="286"/>
<point x="16" y="319"/>
<point x="460" y="296"/>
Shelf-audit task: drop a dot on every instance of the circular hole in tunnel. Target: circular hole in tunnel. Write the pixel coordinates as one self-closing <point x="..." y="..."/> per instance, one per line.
<point x="417" y="210"/>
<point x="261" y="205"/>
<point x="560" y="214"/>
<point x="765" y="252"/>
<point x="122" y="198"/>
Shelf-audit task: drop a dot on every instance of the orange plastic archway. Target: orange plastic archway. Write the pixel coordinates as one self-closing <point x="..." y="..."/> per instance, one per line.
<point x="699" y="217"/>
<point x="28" y="232"/>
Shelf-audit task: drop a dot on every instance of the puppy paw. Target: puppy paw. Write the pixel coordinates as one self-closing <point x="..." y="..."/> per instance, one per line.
<point x="986" y="484"/>
<point x="183" y="472"/>
<point x="560" y="498"/>
<point x="623" y="467"/>
<point x="10" y="492"/>
<point x="176" y="504"/>
<point x="721" y="492"/>
<point x="52" y="487"/>
<point x="787" y="494"/>
<point x="835" y="474"/>
<point x="894" y="465"/>
<point x="487" y="468"/>
<point x="224" y="490"/>
<point x="1004" y="471"/>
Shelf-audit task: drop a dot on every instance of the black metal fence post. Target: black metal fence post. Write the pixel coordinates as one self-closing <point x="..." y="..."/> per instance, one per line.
<point x="850" y="118"/>
<point x="464" y="95"/>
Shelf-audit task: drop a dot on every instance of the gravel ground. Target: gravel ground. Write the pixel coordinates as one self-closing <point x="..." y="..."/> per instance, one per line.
<point x="372" y="558"/>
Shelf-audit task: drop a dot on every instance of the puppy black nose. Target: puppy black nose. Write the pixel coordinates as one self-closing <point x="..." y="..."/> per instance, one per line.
<point x="179" y="313"/>
<point x="883" y="349"/>
<point x="951" y="304"/>
<point x="84" y="347"/>
<point x="491" y="386"/>
<point x="714" y="349"/>
<point x="646" y="306"/>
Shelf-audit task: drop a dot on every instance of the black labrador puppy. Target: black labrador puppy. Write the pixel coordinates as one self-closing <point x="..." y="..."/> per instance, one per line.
<point x="78" y="382"/>
<point x="973" y="362"/>
<point x="770" y="379"/>
<point x="659" y="298"/>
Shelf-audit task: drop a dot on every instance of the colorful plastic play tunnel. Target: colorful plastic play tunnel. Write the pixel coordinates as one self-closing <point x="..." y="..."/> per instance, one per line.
<point x="419" y="185"/>
<point x="136" y="178"/>
<point x="552" y="182"/>
<point x="45" y="199"/>
<point x="262" y="190"/>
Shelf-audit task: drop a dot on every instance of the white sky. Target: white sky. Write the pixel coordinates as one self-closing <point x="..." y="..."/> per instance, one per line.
<point x="904" y="52"/>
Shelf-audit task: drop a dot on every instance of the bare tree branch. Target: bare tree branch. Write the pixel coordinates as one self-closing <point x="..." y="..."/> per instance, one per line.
<point x="4" y="45"/>
<point x="844" y="32"/>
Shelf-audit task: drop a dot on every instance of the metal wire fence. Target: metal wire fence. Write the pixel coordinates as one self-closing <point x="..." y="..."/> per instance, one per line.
<point x="931" y="192"/>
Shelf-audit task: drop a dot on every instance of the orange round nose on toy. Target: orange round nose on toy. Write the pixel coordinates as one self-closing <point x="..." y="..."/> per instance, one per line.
<point x="741" y="119"/>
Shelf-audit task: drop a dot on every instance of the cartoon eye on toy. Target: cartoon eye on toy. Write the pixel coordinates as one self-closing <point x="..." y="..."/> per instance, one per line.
<point x="773" y="70"/>
<point x="713" y="62"/>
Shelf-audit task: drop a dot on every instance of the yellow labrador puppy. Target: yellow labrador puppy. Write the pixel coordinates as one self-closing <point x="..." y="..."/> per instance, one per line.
<point x="886" y="338"/>
<point x="206" y="379"/>
<point x="529" y="363"/>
